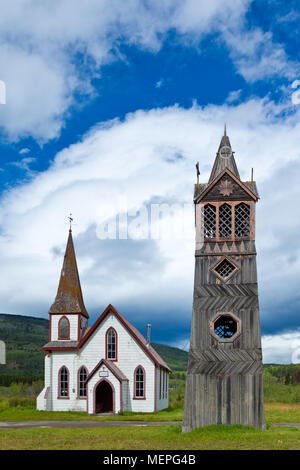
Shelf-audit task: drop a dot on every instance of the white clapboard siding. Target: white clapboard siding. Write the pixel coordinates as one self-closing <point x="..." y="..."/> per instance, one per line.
<point x="73" y="319"/>
<point x="130" y="355"/>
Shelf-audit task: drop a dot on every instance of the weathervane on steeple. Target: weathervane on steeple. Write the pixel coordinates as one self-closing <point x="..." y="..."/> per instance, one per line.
<point x="198" y="172"/>
<point x="71" y="220"/>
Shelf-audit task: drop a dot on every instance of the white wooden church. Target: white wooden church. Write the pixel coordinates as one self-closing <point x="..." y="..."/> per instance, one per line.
<point x="106" y="368"/>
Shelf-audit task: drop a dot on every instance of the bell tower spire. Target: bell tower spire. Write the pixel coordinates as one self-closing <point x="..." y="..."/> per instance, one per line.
<point x="224" y="158"/>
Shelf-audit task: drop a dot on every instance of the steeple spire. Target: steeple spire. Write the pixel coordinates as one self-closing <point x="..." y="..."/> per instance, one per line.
<point x="224" y="158"/>
<point x="69" y="297"/>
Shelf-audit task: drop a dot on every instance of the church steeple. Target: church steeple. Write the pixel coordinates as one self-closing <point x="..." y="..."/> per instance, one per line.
<point x="224" y="378"/>
<point x="69" y="297"/>
<point x="224" y="158"/>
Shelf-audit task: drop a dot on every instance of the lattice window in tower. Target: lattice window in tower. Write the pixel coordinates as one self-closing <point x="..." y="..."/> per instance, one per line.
<point x="225" y="221"/>
<point x="209" y="224"/>
<point x="242" y="220"/>
<point x="224" y="269"/>
<point x="225" y="326"/>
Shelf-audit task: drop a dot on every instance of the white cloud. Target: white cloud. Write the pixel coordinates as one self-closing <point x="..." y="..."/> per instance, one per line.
<point x="257" y="56"/>
<point x="49" y="55"/>
<point x="281" y="348"/>
<point x="234" y="96"/>
<point x="24" y="151"/>
<point x="159" y="83"/>
<point x="24" y="163"/>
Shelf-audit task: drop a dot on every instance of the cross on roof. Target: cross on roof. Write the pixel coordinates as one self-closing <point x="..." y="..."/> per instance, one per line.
<point x="71" y="220"/>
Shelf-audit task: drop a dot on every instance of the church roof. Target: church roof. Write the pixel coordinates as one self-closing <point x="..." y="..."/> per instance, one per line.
<point x="69" y="297"/>
<point x="60" y="345"/>
<point x="221" y="163"/>
<point x="224" y="162"/>
<point x="111" y="366"/>
<point x="201" y="187"/>
<point x="201" y="190"/>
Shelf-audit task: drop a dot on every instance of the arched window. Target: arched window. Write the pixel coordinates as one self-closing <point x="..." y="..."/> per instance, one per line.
<point x="63" y="383"/>
<point x="82" y="376"/>
<point x="139" y="382"/>
<point x="225" y="221"/>
<point x="209" y="221"/>
<point x="111" y="344"/>
<point x="242" y="220"/>
<point x="64" y="328"/>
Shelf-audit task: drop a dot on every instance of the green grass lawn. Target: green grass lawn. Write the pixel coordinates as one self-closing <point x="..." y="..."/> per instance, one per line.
<point x="158" y="438"/>
<point x="282" y="412"/>
<point x="275" y="413"/>
<point x="30" y="414"/>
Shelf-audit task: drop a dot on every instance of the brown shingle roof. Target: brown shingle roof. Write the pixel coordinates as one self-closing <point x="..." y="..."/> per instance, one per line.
<point x="60" y="345"/>
<point x="69" y="295"/>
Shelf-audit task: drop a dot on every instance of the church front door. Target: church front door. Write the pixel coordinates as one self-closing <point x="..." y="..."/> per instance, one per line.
<point x="104" y="398"/>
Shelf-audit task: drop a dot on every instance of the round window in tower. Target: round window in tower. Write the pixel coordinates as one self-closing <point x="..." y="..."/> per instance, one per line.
<point x="225" y="327"/>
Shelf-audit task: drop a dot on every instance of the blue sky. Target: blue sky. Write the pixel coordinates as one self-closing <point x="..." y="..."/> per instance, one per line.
<point x="112" y="101"/>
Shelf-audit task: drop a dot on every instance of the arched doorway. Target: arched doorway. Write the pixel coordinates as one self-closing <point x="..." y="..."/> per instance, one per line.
<point x="104" y="397"/>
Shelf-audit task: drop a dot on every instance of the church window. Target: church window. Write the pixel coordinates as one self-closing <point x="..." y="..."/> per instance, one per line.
<point x="209" y="217"/>
<point x="224" y="269"/>
<point x="225" y="326"/>
<point x="139" y="382"/>
<point x="111" y="344"/>
<point x="225" y="221"/>
<point x="63" y="383"/>
<point x="64" y="328"/>
<point x="242" y="220"/>
<point x="81" y="383"/>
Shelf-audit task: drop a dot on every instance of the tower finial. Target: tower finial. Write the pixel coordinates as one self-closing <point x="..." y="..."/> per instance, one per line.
<point x="225" y="130"/>
<point x="71" y="220"/>
<point x="198" y="172"/>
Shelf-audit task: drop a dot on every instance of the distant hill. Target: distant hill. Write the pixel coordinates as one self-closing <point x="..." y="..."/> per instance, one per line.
<point x="24" y="336"/>
<point x="176" y="358"/>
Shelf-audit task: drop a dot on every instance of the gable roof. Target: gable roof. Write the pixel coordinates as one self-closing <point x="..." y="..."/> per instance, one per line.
<point x="69" y="297"/>
<point x="248" y="187"/>
<point x="111" y="366"/>
<point x="139" y="338"/>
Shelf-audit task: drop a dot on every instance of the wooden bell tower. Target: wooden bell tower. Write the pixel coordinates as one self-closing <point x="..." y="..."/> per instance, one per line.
<point x="224" y="378"/>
